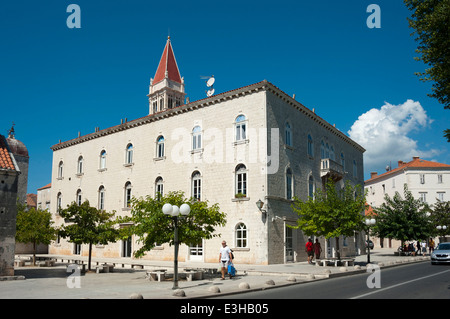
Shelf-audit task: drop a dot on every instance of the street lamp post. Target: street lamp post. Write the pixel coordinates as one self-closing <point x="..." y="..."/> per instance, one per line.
<point x="174" y="211"/>
<point x="369" y="222"/>
<point x="443" y="228"/>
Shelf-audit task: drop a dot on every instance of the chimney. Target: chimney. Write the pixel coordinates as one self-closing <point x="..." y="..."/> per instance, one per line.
<point x="415" y="158"/>
<point x="400" y="163"/>
<point x="373" y="174"/>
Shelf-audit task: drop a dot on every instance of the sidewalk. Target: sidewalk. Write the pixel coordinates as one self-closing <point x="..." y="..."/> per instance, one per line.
<point x="122" y="283"/>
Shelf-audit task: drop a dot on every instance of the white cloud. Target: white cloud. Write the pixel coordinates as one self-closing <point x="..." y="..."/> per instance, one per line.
<point x="384" y="134"/>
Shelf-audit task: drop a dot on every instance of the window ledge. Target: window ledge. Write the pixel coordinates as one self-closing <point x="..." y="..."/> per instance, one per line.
<point x="128" y="164"/>
<point x="161" y="158"/>
<point x="288" y="147"/>
<point x="102" y="169"/>
<point x="246" y="141"/>
<point x="240" y="249"/>
<point x="197" y="150"/>
<point x="240" y="199"/>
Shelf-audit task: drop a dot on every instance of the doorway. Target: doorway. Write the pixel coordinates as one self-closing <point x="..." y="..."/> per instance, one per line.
<point x="126" y="247"/>
<point x="289" y="250"/>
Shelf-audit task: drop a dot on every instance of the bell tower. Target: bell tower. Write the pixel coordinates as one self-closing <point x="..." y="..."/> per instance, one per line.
<point x="166" y="89"/>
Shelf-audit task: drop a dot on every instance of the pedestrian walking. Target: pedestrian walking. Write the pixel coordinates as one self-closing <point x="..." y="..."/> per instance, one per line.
<point x="431" y="246"/>
<point x="309" y="250"/>
<point x="224" y="258"/>
<point x="317" y="249"/>
<point x="424" y="248"/>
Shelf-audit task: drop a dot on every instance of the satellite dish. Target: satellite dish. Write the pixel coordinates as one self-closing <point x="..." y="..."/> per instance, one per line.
<point x="210" y="82"/>
<point x="210" y="92"/>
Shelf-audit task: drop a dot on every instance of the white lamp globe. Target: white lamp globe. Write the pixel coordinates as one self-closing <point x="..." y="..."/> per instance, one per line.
<point x="167" y="209"/>
<point x="185" y="209"/>
<point x="175" y="210"/>
<point x="372" y="221"/>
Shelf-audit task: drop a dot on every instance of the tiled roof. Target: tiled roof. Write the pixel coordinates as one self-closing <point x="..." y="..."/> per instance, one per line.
<point x="46" y="186"/>
<point x="417" y="162"/>
<point x="169" y="64"/>
<point x="6" y="162"/>
<point x="31" y="200"/>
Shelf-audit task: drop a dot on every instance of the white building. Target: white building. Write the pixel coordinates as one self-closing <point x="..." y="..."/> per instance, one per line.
<point x="427" y="180"/>
<point x="234" y="148"/>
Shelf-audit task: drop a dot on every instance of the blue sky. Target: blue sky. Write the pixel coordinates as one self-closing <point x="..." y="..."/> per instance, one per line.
<point x="56" y="81"/>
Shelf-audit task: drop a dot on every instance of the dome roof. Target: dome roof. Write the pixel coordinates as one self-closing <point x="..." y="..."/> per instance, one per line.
<point x="17" y="147"/>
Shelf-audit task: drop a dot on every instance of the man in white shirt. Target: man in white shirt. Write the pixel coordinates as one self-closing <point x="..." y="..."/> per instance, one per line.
<point x="224" y="257"/>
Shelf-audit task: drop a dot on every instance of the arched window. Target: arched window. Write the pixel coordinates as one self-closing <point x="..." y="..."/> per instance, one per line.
<point x="129" y="154"/>
<point x="103" y="159"/>
<point x="60" y="169"/>
<point x="322" y="150"/>
<point x="127" y="193"/>
<point x="78" y="197"/>
<point x="241" y="236"/>
<point x="288" y="134"/>
<point x="160" y="146"/>
<point x="159" y="187"/>
<point x="241" y="180"/>
<point x="332" y="156"/>
<point x="343" y="160"/>
<point x="241" y="128"/>
<point x="289" y="182"/>
<point x="80" y="165"/>
<point x="310" y="146"/>
<point x="311" y="186"/>
<point x="101" y="197"/>
<point x="196" y="185"/>
<point x="197" y="138"/>
<point x="58" y="202"/>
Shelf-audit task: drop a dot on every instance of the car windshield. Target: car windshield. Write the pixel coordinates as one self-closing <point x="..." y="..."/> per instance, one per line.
<point x="445" y="246"/>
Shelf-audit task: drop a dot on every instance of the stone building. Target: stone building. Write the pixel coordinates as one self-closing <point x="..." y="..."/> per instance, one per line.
<point x="254" y="143"/>
<point x="9" y="180"/>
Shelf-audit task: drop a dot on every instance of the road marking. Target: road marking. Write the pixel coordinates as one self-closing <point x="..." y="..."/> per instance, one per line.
<point x="397" y="285"/>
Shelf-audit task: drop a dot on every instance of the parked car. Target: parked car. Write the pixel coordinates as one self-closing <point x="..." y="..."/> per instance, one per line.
<point x="370" y="244"/>
<point x="441" y="254"/>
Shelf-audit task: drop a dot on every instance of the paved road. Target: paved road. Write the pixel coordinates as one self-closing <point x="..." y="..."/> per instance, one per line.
<point x="414" y="281"/>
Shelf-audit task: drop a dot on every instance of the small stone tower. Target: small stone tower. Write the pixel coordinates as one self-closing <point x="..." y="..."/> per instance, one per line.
<point x="20" y="152"/>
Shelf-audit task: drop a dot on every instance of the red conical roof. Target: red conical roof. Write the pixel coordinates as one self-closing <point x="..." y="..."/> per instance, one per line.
<point x="169" y="64"/>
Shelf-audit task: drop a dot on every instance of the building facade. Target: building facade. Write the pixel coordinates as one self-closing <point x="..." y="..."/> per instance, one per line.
<point x="234" y="148"/>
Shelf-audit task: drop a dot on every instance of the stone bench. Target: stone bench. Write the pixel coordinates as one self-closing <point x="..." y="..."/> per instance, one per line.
<point x="137" y="266"/>
<point x="344" y="261"/>
<point x="104" y="268"/>
<point x="156" y="275"/>
<point x="46" y="263"/>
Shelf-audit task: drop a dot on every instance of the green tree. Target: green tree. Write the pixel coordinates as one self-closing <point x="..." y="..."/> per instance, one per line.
<point x="88" y="225"/>
<point x="34" y="226"/>
<point x="332" y="212"/>
<point x="402" y="219"/>
<point x="431" y="23"/>
<point x="440" y="216"/>
<point x="151" y="226"/>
